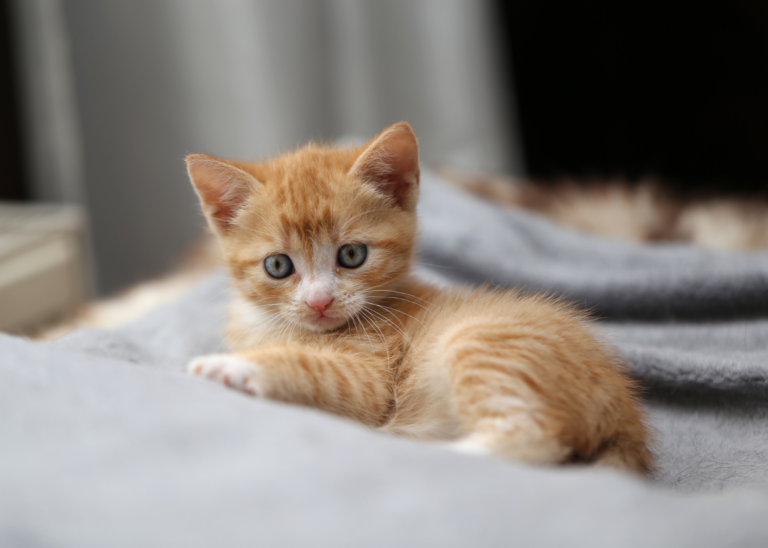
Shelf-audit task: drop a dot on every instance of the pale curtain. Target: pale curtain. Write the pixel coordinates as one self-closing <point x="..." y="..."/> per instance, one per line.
<point x="130" y="87"/>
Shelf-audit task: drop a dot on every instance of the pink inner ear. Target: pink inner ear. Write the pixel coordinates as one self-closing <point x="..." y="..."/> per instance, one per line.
<point x="223" y="189"/>
<point x="392" y="163"/>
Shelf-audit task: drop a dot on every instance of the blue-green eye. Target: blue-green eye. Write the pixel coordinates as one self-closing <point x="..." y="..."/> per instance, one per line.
<point x="352" y="255"/>
<point x="278" y="266"/>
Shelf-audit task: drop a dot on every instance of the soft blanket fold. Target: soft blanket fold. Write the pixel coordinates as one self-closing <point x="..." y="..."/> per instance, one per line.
<point x="474" y="241"/>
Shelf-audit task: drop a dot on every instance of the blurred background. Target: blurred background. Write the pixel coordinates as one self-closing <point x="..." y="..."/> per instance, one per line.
<point x="100" y="102"/>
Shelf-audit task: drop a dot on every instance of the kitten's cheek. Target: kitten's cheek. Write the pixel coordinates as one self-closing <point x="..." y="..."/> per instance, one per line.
<point x="230" y="370"/>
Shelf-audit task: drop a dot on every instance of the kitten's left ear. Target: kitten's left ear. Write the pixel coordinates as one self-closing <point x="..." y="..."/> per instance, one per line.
<point x="223" y="189"/>
<point x="391" y="163"/>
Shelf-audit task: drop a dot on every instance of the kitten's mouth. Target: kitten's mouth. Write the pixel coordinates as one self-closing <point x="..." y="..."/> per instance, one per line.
<point x="323" y="321"/>
<point x="327" y="320"/>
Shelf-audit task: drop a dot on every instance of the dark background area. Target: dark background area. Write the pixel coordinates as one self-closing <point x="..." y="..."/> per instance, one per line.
<point x="13" y="183"/>
<point x="602" y="89"/>
<point x="617" y="88"/>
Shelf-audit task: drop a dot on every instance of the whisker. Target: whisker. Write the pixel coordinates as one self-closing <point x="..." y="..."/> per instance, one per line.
<point x="399" y="293"/>
<point x="396" y="310"/>
<point x="412" y="302"/>
<point x="395" y="327"/>
<point x="355" y="324"/>
<point x="365" y="333"/>
<point x="283" y="330"/>
<point x="293" y="328"/>
<point x="381" y="335"/>
<point x="268" y="328"/>
<point x="258" y="326"/>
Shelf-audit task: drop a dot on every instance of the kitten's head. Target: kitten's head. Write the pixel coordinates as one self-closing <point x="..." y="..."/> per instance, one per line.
<point x="316" y="234"/>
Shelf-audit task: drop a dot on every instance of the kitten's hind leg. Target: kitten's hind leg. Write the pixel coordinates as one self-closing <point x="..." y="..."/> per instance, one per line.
<point x="497" y="399"/>
<point x="511" y="434"/>
<point x="518" y="439"/>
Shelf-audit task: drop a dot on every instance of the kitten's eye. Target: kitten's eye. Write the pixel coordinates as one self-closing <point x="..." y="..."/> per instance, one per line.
<point x="278" y="266"/>
<point x="352" y="255"/>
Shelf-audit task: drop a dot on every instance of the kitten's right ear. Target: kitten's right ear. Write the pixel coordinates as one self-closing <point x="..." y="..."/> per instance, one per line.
<point x="222" y="188"/>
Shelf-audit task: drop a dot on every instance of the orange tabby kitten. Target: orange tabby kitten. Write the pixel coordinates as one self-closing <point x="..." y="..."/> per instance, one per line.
<point x="319" y="243"/>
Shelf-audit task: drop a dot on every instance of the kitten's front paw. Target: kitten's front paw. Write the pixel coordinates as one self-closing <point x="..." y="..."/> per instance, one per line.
<point x="228" y="369"/>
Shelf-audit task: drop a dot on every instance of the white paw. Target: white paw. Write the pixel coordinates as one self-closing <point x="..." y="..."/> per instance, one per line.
<point x="228" y="369"/>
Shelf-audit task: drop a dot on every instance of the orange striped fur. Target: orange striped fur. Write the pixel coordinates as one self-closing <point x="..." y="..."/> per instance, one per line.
<point x="520" y="377"/>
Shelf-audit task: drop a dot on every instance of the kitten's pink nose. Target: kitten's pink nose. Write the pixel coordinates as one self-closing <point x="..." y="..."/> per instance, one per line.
<point x="320" y="303"/>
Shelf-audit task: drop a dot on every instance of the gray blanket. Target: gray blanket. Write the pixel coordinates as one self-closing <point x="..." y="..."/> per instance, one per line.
<point x="104" y="441"/>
